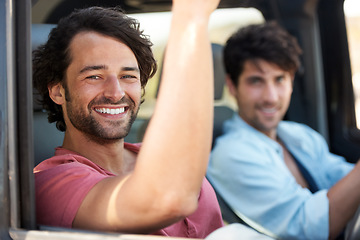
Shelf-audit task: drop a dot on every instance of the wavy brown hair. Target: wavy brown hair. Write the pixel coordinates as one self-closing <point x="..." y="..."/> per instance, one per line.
<point x="51" y="60"/>
<point x="267" y="41"/>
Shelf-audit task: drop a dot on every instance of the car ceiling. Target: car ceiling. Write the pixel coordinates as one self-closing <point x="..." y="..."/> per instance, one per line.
<point x="59" y="8"/>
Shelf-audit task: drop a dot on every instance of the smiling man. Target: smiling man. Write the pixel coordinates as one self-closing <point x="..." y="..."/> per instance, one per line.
<point x="105" y="91"/>
<point x="279" y="174"/>
<point x="91" y="74"/>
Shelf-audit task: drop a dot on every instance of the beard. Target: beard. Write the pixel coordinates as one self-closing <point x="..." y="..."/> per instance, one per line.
<point x="268" y="124"/>
<point x="109" y="132"/>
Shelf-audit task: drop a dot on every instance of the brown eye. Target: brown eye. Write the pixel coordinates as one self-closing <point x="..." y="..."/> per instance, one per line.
<point x="93" y="77"/>
<point x="128" y="76"/>
<point x="280" y="79"/>
<point x="254" y="80"/>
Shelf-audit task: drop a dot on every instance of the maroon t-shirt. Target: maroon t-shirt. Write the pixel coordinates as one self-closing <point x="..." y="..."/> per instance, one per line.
<point x="63" y="181"/>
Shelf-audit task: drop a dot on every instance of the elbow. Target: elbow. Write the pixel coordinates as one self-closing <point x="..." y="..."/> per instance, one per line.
<point x="178" y="207"/>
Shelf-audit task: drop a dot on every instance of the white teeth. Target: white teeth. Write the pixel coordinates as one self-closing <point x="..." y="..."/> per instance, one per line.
<point x="112" y="111"/>
<point x="269" y="110"/>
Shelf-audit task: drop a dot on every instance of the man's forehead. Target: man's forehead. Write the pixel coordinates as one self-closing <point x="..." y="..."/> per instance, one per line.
<point x="262" y="66"/>
<point x="92" y="36"/>
<point x="93" y="48"/>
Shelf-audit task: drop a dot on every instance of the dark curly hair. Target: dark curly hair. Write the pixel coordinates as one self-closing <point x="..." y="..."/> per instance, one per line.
<point x="51" y="60"/>
<point x="267" y="41"/>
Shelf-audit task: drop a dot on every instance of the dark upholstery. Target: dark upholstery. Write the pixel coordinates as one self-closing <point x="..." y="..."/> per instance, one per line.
<point x="221" y="112"/>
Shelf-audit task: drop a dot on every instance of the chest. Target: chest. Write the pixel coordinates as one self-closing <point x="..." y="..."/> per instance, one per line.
<point x="293" y="167"/>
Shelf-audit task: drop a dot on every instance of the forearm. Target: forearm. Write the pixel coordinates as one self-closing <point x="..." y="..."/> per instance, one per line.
<point x="344" y="199"/>
<point x="183" y="118"/>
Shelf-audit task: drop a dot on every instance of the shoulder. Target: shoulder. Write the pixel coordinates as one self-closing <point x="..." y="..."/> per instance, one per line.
<point x="67" y="163"/>
<point x="236" y="132"/>
<point x="295" y="126"/>
<point x="241" y="154"/>
<point x="242" y="141"/>
<point x="61" y="184"/>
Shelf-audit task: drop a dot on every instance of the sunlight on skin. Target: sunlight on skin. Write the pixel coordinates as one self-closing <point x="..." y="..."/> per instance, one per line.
<point x="112" y="201"/>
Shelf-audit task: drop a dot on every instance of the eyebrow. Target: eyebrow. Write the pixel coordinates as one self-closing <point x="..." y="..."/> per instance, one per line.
<point x="100" y="67"/>
<point x="130" y="69"/>
<point x="92" y="68"/>
<point x="254" y="77"/>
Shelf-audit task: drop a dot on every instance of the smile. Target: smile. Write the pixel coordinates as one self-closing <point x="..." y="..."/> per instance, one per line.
<point x="269" y="110"/>
<point x="112" y="111"/>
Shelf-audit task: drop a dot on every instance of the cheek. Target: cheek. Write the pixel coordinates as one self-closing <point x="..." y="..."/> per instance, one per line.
<point x="250" y="95"/>
<point x="85" y="92"/>
<point x="286" y="92"/>
<point x="285" y="97"/>
<point x="134" y="91"/>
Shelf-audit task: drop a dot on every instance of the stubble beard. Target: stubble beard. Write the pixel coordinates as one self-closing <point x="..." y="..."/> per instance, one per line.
<point x="85" y="122"/>
<point x="265" y="125"/>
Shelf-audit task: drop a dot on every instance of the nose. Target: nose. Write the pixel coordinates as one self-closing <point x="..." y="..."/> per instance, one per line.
<point x="270" y="93"/>
<point x="113" y="89"/>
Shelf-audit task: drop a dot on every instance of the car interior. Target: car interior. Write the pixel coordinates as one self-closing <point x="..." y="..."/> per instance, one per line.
<point x="223" y="109"/>
<point x="323" y="96"/>
<point x="47" y="137"/>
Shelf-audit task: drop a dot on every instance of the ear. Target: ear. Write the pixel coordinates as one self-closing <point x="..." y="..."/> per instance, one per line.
<point x="231" y="86"/>
<point x="57" y="93"/>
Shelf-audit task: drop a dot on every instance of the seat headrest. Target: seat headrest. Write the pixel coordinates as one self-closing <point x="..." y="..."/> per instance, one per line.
<point x="219" y="71"/>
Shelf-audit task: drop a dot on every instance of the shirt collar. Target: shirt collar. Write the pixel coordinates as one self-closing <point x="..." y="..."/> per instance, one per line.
<point x="236" y="123"/>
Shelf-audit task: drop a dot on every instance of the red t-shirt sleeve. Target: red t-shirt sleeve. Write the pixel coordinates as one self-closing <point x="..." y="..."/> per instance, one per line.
<point x="60" y="191"/>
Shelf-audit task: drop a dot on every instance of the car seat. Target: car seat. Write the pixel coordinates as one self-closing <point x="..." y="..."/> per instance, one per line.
<point x="222" y="108"/>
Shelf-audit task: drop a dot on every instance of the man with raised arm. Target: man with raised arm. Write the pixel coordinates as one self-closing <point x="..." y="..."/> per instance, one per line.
<point x="91" y="73"/>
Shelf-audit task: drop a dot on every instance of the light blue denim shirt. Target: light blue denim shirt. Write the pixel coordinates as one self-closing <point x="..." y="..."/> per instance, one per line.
<point x="247" y="169"/>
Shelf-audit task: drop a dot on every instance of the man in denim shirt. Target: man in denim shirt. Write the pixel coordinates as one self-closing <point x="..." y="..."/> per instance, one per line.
<point x="278" y="174"/>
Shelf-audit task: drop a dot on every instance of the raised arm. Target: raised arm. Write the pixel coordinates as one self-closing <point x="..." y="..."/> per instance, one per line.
<point x="164" y="186"/>
<point x="177" y="144"/>
<point x="179" y="135"/>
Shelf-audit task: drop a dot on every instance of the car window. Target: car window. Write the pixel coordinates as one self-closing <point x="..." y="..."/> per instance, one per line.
<point x="156" y="25"/>
<point x="352" y="18"/>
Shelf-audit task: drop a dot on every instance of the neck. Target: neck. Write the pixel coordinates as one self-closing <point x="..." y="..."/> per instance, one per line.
<point x="272" y="135"/>
<point x="110" y="155"/>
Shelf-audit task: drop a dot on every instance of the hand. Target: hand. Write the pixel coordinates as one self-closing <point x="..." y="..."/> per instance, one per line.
<point x="196" y="7"/>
